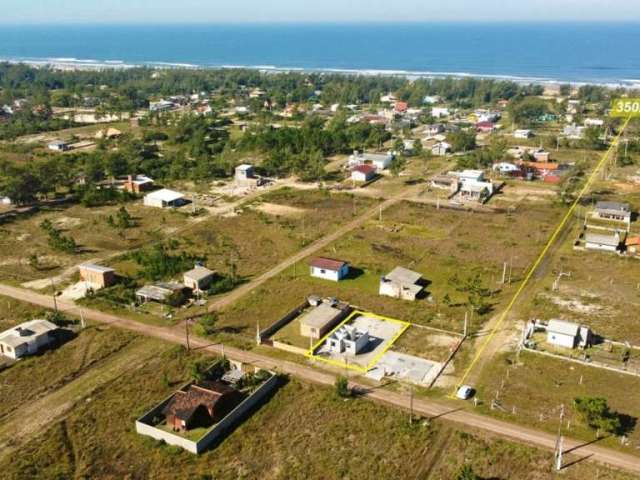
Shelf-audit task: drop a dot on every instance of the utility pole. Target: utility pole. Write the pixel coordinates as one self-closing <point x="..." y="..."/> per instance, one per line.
<point x="55" y="301"/>
<point x="559" y="442"/>
<point x="466" y="324"/>
<point x="410" y="404"/>
<point x="186" y="331"/>
<point x="504" y="272"/>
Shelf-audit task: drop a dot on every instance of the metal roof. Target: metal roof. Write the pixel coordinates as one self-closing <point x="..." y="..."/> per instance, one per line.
<point x="609" y="240"/>
<point x="199" y="273"/>
<point x="563" y="327"/>
<point x="165" y="195"/>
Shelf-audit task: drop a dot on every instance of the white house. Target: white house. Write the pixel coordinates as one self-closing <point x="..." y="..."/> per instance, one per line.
<point x="363" y="173"/>
<point x="198" y="278"/>
<point x="568" y="334"/>
<point x="329" y="269"/>
<point x="440" y="149"/>
<point x="522" y="134"/>
<point x="430" y="99"/>
<point x="348" y="340"/>
<point x="244" y="172"/>
<point x="594" y="122"/>
<point x="26" y="339"/>
<point x="505" y="167"/>
<point x="401" y="283"/>
<point x="58" y="146"/>
<point x="379" y="160"/>
<point x="164" y="198"/>
<point x="432" y="130"/>
<point x="598" y="241"/>
<point x="620" y="212"/>
<point x="438" y="112"/>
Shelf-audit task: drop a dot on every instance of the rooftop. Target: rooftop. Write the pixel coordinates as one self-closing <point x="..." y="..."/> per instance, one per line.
<point x="327" y="263"/>
<point x="96" y="268"/>
<point x="198" y="273"/>
<point x="165" y="195"/>
<point x="403" y="276"/>
<point x="320" y="316"/>
<point x="563" y="327"/>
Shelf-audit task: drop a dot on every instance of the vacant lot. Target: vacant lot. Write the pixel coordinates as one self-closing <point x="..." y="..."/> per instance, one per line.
<point x="534" y="389"/>
<point x="450" y="248"/>
<point x="25" y="253"/>
<point x="302" y="432"/>
<point x="13" y="312"/>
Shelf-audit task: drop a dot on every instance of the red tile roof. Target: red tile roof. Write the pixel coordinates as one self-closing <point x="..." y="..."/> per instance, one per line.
<point x="327" y="263"/>
<point x="366" y="169"/>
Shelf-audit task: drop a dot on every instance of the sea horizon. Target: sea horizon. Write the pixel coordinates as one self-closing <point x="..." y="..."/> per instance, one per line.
<point x="532" y="51"/>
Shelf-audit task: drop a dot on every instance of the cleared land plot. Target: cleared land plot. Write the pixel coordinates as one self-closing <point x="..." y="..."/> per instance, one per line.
<point x="280" y="441"/>
<point x="25" y="253"/>
<point x="534" y="390"/>
<point x="448" y="247"/>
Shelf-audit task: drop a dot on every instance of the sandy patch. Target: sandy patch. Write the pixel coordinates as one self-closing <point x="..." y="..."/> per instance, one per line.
<point x="68" y="222"/>
<point x="280" y="210"/>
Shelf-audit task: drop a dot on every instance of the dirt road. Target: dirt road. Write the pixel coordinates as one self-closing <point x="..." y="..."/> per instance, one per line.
<point x="453" y="411"/>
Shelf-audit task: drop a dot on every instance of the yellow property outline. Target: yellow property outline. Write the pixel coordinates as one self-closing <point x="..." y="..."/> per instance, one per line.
<point x="543" y="253"/>
<point x="376" y="359"/>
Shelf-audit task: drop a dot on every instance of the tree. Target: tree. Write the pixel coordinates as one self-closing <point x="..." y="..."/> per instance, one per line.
<point x="462" y="141"/>
<point x="397" y="164"/>
<point x="342" y="387"/>
<point x="595" y="412"/>
<point x="528" y="111"/>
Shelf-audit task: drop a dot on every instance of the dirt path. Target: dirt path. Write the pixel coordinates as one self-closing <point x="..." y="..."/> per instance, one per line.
<point x="34" y="417"/>
<point x="243" y="290"/>
<point x="461" y="413"/>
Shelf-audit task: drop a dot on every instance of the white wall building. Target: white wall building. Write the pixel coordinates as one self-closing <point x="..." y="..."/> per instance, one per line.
<point x="329" y="269"/>
<point x="401" y="283"/>
<point x="348" y="340"/>
<point x="164" y="198"/>
<point x="26" y="339"/>
<point x="568" y="334"/>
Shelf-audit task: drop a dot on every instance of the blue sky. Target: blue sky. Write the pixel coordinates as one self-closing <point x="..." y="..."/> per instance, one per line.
<point x="162" y="11"/>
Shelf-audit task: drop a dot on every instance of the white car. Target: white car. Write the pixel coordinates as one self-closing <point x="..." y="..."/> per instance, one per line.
<point x="465" y="392"/>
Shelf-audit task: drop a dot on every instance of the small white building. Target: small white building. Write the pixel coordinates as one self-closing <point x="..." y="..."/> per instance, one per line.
<point x="522" y="134"/>
<point x="599" y="241"/>
<point x="58" y="146"/>
<point x="440" y="149"/>
<point x="379" y="160"/>
<point x="439" y="112"/>
<point x="594" y="122"/>
<point x="568" y="334"/>
<point x="614" y="211"/>
<point x="198" y="278"/>
<point x="363" y="173"/>
<point x="318" y="321"/>
<point x="329" y="269"/>
<point x="164" y="198"/>
<point x="348" y="340"/>
<point x="401" y="283"/>
<point x="26" y="339"/>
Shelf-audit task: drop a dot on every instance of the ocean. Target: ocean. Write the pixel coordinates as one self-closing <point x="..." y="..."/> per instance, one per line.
<point x="603" y="53"/>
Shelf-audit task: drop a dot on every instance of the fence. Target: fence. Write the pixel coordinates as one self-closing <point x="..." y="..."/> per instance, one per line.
<point x="144" y="425"/>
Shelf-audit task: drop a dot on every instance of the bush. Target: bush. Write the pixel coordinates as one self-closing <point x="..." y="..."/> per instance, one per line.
<point x="342" y="387"/>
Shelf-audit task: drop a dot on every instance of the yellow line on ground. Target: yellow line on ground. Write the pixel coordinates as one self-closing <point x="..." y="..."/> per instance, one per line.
<point x="311" y="352"/>
<point x="543" y="253"/>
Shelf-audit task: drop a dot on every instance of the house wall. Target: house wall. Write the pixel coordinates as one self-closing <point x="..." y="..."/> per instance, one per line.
<point x="599" y="246"/>
<point x="144" y="427"/>
<point x="389" y="289"/>
<point x="329" y="274"/>
<point x="561" y="340"/>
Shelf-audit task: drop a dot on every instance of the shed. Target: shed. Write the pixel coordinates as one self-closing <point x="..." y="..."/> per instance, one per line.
<point x="97" y="276"/>
<point x="318" y="321"/>
<point x="401" y="283"/>
<point x="363" y="173"/>
<point x="329" y="269"/>
<point x="198" y="279"/>
<point x="568" y="334"/>
<point x="164" y="198"/>
<point x="599" y="241"/>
